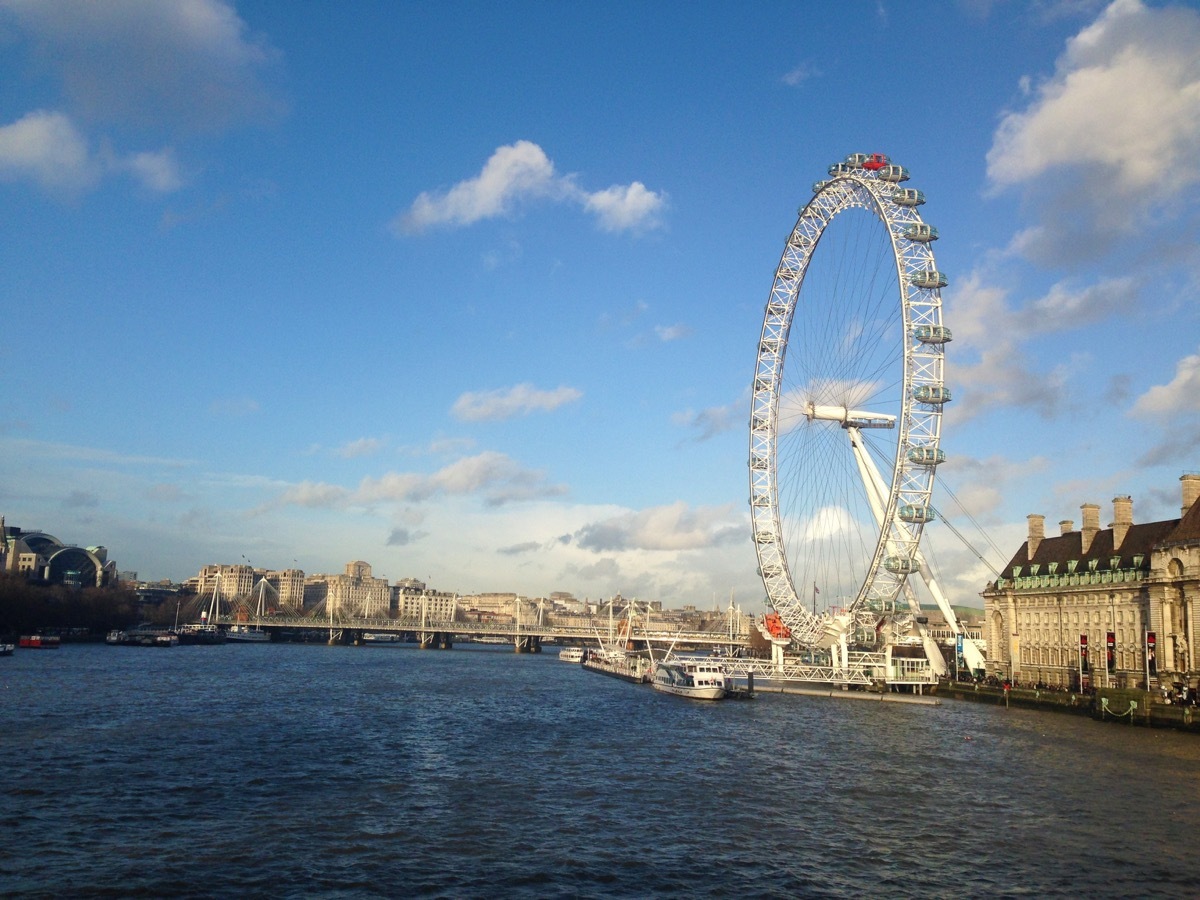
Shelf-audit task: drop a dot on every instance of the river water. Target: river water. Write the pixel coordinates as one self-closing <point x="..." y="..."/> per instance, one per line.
<point x="304" y="770"/>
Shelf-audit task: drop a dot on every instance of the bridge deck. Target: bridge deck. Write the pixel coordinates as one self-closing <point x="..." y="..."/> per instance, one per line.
<point x="545" y="630"/>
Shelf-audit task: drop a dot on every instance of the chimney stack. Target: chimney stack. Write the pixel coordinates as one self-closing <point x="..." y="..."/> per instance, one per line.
<point x="1037" y="532"/>
<point x="1091" y="524"/>
<point x="1191" y="491"/>
<point x="1066" y="526"/>
<point x="1122" y="519"/>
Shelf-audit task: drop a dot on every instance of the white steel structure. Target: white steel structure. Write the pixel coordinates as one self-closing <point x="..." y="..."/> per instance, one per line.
<point x="846" y="413"/>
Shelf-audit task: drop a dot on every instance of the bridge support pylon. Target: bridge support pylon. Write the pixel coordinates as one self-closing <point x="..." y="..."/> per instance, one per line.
<point x="437" y="640"/>
<point x="527" y="643"/>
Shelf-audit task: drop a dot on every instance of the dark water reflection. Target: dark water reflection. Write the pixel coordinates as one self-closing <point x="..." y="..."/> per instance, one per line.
<point x="290" y="770"/>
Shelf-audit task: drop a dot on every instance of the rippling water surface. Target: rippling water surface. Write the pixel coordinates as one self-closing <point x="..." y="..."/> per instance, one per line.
<point x="305" y="770"/>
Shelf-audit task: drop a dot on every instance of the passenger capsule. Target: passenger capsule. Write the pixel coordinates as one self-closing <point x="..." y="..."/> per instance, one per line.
<point x="926" y="456"/>
<point x="769" y="345"/>
<point x="934" y="394"/>
<point x="900" y="565"/>
<point x="818" y="185"/>
<point x="857" y="159"/>
<point x="908" y="197"/>
<point x="930" y="278"/>
<point x="789" y="273"/>
<point x="916" y="515"/>
<point x="875" y="162"/>
<point x="894" y="174"/>
<point x="921" y="233"/>
<point x="933" y="334"/>
<point x="777" y="308"/>
<point x="839" y="169"/>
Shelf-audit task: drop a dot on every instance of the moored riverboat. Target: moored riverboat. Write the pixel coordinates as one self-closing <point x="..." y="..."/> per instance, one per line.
<point x="244" y="634"/>
<point x="380" y="638"/>
<point x="142" y="636"/>
<point x="40" y="641"/>
<point x="697" y="679"/>
<point x="201" y="635"/>
<point x="571" y="655"/>
<point x="6" y="649"/>
<point x="634" y="669"/>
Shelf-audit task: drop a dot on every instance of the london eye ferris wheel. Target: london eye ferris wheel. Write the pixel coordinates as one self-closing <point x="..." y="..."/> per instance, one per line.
<point x="846" y="414"/>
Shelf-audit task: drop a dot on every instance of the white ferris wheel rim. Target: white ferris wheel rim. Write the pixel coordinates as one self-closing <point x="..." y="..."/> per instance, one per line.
<point x="916" y="422"/>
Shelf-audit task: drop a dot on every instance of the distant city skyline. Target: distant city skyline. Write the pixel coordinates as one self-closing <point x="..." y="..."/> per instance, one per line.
<point x="472" y="293"/>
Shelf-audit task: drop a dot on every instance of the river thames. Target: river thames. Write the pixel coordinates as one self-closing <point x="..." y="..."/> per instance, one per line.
<point x="305" y="770"/>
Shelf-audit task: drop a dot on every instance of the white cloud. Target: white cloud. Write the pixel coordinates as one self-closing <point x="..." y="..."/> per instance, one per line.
<point x="1122" y="109"/>
<point x="314" y="494"/>
<point x="1181" y="394"/>
<point x="714" y="420"/>
<point x="621" y="208"/>
<point x="492" y="477"/>
<point x="187" y="63"/>
<point x="158" y="172"/>
<point x="993" y="364"/>
<point x="513" y="173"/>
<point x="518" y="173"/>
<point x="667" y="333"/>
<point x="359" y="448"/>
<point x="800" y="74"/>
<point x="47" y="148"/>
<point x="674" y="527"/>
<point x="508" y="403"/>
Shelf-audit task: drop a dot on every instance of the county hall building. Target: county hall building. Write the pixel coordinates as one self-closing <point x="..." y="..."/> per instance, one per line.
<point x="1118" y="605"/>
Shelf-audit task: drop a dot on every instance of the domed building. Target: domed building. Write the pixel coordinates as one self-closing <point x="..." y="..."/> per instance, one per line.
<point x="40" y="556"/>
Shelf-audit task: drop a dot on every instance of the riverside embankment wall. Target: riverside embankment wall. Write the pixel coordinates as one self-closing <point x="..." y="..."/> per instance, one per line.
<point x="1108" y="704"/>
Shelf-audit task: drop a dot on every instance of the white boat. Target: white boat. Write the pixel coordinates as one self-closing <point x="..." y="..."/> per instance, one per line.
<point x="6" y="649"/>
<point x="243" y="633"/>
<point x="571" y="655"/>
<point x="695" y="678"/>
<point x="380" y="637"/>
<point x="246" y="635"/>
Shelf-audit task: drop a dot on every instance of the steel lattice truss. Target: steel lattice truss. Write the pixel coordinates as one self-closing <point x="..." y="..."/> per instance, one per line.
<point x="917" y="311"/>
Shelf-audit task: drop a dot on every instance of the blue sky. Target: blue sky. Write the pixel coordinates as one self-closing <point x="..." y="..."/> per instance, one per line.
<point x="472" y="291"/>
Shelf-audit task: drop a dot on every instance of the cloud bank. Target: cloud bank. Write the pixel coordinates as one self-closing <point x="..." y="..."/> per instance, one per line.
<point x="521" y="173"/>
<point x="510" y="403"/>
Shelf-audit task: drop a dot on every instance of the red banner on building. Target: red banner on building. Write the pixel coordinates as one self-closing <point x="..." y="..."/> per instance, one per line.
<point x="1151" y="657"/>
<point x="1110" y="651"/>
<point x="1083" y="656"/>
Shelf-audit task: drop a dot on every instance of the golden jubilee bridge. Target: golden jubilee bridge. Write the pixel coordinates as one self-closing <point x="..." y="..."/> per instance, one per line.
<point x="730" y="629"/>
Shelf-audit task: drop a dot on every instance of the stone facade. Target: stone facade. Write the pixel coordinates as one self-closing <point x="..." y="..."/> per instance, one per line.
<point x="1128" y="580"/>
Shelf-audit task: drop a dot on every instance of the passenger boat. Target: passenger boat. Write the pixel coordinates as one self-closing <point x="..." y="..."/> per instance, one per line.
<point x="244" y="634"/>
<point x="201" y="634"/>
<point x="634" y="669"/>
<point x="6" y="649"/>
<point x="381" y="637"/>
<point x="39" y="641"/>
<point x="698" y="679"/>
<point x="571" y="655"/>
<point x="142" y="637"/>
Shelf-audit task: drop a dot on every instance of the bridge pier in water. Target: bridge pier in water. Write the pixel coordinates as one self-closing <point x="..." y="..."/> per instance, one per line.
<point x="437" y="640"/>
<point x="527" y="643"/>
